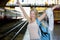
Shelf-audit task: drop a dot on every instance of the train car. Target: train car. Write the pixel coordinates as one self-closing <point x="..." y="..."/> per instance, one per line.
<point x="57" y="15"/>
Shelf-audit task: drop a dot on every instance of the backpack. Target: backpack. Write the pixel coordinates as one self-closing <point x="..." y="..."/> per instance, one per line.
<point x="44" y="31"/>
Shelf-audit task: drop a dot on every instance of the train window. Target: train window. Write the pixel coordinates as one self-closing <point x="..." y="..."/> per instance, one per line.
<point x="57" y="15"/>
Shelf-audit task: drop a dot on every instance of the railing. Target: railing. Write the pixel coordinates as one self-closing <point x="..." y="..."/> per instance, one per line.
<point x="21" y="25"/>
<point x="18" y="31"/>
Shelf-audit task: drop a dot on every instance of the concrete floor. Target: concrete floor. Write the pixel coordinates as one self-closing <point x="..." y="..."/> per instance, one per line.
<point x="57" y="32"/>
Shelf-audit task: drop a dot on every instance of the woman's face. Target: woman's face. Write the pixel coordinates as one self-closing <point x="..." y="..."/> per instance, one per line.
<point x="32" y="14"/>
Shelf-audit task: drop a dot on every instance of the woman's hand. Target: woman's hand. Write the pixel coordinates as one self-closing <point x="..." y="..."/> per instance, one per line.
<point x="56" y="6"/>
<point x="22" y="9"/>
<point x="18" y="2"/>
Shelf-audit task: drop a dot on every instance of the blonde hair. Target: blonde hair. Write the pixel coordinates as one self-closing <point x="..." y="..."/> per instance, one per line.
<point x="35" y="11"/>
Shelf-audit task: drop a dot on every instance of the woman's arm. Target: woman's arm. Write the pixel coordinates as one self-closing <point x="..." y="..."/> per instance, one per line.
<point x="24" y="13"/>
<point x="56" y="6"/>
<point x="42" y="16"/>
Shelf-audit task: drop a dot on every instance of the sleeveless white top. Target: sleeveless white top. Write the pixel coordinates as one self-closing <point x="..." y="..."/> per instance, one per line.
<point x="33" y="30"/>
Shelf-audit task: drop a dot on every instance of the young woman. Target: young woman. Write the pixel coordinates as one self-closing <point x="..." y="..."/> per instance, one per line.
<point x="33" y="26"/>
